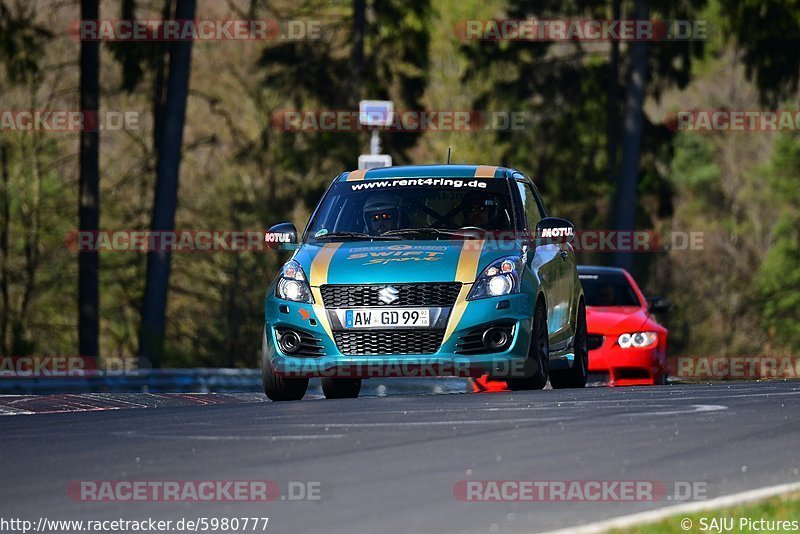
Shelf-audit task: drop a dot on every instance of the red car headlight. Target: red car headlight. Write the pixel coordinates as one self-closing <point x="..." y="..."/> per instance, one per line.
<point x="638" y="340"/>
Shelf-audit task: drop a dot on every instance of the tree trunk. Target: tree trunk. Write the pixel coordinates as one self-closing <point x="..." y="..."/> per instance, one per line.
<point x="625" y="205"/>
<point x="612" y="105"/>
<point x="89" y="206"/>
<point x="151" y="335"/>
<point x="357" y="53"/>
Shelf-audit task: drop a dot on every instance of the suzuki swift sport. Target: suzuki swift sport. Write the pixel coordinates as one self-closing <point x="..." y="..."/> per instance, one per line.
<point x="441" y="270"/>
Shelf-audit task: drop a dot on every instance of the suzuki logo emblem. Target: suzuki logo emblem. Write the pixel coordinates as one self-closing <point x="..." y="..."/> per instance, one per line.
<point x="388" y="295"/>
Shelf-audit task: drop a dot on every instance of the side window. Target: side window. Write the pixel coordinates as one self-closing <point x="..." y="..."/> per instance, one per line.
<point x="532" y="212"/>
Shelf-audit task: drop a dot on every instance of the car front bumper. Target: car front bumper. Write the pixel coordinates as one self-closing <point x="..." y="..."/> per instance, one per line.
<point x="627" y="367"/>
<point x="511" y="311"/>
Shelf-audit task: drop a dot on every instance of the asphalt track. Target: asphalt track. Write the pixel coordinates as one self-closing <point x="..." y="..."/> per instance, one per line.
<point x="390" y="464"/>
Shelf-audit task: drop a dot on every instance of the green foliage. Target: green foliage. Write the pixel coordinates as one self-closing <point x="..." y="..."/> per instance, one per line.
<point x="41" y="274"/>
<point x="768" y="31"/>
<point x="564" y="88"/>
<point x="693" y="163"/>
<point x="320" y="75"/>
<point x="778" y="279"/>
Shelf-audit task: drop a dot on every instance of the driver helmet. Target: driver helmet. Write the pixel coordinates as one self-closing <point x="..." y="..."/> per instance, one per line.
<point x="382" y="213"/>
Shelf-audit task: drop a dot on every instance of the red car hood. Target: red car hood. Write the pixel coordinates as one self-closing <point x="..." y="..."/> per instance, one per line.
<point x="615" y="319"/>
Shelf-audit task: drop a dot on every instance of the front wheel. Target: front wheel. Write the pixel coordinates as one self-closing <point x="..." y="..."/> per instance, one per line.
<point x="538" y="354"/>
<point x="575" y="377"/>
<point x="278" y="388"/>
<point x="341" y="388"/>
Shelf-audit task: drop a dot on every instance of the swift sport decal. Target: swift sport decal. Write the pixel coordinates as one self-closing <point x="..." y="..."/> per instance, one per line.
<point x="397" y="254"/>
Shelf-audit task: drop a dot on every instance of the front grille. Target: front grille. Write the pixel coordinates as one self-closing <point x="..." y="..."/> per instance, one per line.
<point x="595" y="341"/>
<point x="309" y="345"/>
<point x="389" y="341"/>
<point x="433" y="294"/>
<point x="631" y="373"/>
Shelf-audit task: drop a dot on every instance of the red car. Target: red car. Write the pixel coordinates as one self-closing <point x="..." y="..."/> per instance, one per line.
<point x="627" y="346"/>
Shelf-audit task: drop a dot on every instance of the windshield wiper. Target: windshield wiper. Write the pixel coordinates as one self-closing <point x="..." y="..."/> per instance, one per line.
<point x="354" y="235"/>
<point x="438" y="231"/>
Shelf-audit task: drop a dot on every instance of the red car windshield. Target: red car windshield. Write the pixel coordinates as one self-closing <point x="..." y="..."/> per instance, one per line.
<point x="608" y="289"/>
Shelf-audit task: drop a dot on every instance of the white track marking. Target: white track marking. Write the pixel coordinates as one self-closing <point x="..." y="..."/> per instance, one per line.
<point x="429" y="423"/>
<point x="721" y="395"/>
<point x="646" y="405"/>
<point x="296" y="437"/>
<point x="694" y="408"/>
<point x="8" y="410"/>
<point x="654" y="516"/>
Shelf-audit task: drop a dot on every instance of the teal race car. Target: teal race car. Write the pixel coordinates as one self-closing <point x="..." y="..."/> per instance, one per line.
<point x="439" y="270"/>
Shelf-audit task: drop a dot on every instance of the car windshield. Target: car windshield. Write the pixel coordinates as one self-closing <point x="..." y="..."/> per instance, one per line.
<point x="607" y="289"/>
<point x="413" y="208"/>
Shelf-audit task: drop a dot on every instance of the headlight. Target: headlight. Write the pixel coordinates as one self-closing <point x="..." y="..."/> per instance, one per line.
<point x="292" y="284"/>
<point x="500" y="278"/>
<point x="637" y="340"/>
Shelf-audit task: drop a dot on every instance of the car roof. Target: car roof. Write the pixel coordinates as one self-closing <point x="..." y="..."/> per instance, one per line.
<point x="428" y="171"/>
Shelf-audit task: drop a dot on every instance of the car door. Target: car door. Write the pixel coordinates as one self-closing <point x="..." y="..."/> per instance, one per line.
<point x="545" y="259"/>
<point x="570" y="288"/>
<point x="564" y="306"/>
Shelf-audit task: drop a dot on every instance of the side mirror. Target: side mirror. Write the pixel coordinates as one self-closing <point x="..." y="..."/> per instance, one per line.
<point x="658" y="304"/>
<point x="281" y="236"/>
<point x="554" y="230"/>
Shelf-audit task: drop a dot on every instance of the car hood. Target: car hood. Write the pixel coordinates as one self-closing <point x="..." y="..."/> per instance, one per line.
<point x="615" y="319"/>
<point x="375" y="262"/>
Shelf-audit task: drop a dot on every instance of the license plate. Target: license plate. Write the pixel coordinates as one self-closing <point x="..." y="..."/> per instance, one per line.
<point x="377" y="318"/>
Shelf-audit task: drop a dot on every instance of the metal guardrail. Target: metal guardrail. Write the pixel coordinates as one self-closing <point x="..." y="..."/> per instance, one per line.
<point x="206" y="380"/>
<point x="198" y="380"/>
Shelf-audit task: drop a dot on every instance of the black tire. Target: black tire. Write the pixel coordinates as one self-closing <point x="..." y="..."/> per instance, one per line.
<point x="341" y="388"/>
<point x="278" y="388"/>
<point x="538" y="355"/>
<point x="575" y="377"/>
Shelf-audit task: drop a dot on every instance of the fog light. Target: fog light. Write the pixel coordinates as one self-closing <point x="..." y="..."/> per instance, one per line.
<point x="289" y="342"/>
<point x="495" y="338"/>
